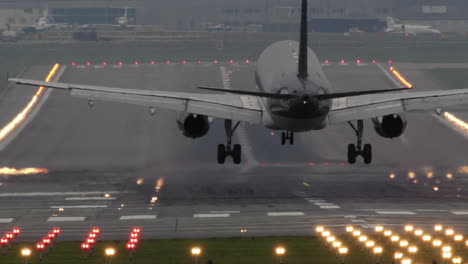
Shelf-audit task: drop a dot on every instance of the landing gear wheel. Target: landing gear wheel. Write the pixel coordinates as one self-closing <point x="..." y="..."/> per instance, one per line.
<point x="291" y="138"/>
<point x="352" y="153"/>
<point x="236" y="154"/>
<point x="221" y="154"/>
<point x="367" y="153"/>
<point x="283" y="138"/>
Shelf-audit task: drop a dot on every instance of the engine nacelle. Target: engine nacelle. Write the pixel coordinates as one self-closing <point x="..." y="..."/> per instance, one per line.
<point x="390" y="126"/>
<point x="193" y="126"/>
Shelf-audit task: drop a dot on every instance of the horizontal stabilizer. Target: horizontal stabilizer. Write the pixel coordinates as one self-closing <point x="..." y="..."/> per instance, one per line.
<point x="260" y="94"/>
<point x="350" y="94"/>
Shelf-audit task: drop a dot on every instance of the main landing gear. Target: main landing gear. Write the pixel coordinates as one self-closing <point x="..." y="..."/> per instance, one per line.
<point x="287" y="136"/>
<point x="354" y="151"/>
<point x="227" y="150"/>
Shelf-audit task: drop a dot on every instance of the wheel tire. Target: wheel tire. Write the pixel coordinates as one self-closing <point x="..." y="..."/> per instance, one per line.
<point x="237" y="154"/>
<point x="352" y="153"/>
<point x="283" y="138"/>
<point x="221" y="154"/>
<point x="291" y="138"/>
<point x="367" y="153"/>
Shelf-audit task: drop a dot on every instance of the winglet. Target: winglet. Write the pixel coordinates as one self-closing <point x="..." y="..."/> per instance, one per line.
<point x="303" y="72"/>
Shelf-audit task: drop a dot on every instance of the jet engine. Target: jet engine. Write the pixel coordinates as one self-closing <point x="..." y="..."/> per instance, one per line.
<point x="193" y="126"/>
<point x="390" y="126"/>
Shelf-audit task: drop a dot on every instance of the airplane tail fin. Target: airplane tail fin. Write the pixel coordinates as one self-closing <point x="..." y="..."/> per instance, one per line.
<point x="390" y="22"/>
<point x="303" y="71"/>
<point x="126" y="7"/>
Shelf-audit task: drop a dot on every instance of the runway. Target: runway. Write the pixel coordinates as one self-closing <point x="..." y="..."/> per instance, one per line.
<point x="115" y="166"/>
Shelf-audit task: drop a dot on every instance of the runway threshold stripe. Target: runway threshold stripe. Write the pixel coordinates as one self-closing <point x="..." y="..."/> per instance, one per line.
<point x="138" y="217"/>
<point x="210" y="215"/>
<point x="66" y="219"/>
<point x="395" y="212"/>
<point x="78" y="206"/>
<point x="460" y="212"/>
<point x="32" y="194"/>
<point x="90" y="198"/>
<point x="285" y="213"/>
<point x="6" y="220"/>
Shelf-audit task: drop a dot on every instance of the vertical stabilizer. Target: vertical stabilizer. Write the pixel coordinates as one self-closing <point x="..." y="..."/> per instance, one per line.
<point x="303" y="72"/>
<point x="125" y="14"/>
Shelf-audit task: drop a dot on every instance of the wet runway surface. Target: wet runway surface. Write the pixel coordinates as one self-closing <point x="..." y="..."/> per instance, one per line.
<point x="115" y="166"/>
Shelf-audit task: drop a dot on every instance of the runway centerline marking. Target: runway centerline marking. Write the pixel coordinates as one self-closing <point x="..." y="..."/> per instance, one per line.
<point x="33" y="194"/>
<point x="66" y="219"/>
<point x="395" y="212"/>
<point x="285" y="214"/>
<point x="6" y="220"/>
<point x="138" y="217"/>
<point x="90" y="198"/>
<point x="460" y="212"/>
<point x="210" y="215"/>
<point x="78" y="206"/>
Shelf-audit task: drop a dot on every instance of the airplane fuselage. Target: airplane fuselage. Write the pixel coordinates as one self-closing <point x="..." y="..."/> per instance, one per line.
<point x="277" y="73"/>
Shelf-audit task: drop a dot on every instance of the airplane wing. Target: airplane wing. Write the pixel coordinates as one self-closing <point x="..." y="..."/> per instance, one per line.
<point x="377" y="105"/>
<point x="226" y="106"/>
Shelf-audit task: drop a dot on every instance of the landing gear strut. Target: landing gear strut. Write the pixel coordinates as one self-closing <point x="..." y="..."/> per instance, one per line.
<point x="288" y="135"/>
<point x="354" y="151"/>
<point x="227" y="150"/>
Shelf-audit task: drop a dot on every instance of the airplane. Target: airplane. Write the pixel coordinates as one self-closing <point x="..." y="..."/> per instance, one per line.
<point x="122" y="22"/>
<point x="43" y="24"/>
<point x="408" y="29"/>
<point x="294" y="95"/>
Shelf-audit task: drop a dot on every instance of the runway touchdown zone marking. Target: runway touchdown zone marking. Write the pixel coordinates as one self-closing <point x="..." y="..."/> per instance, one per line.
<point x="210" y="215"/>
<point x="6" y="220"/>
<point x="138" y="217"/>
<point x="460" y="212"/>
<point x="90" y="198"/>
<point x="78" y="206"/>
<point x="66" y="219"/>
<point x="395" y="212"/>
<point x="286" y="214"/>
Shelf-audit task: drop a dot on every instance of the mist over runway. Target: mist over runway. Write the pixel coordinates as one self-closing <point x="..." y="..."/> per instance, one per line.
<point x="172" y="186"/>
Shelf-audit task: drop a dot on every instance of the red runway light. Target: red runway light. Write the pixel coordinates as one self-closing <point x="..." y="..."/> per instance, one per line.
<point x="247" y="61"/>
<point x="136" y="63"/>
<point x="16" y="230"/>
<point x="342" y="61"/>
<point x="40" y="246"/>
<point x="104" y="63"/>
<point x="88" y="63"/>
<point x="132" y="235"/>
<point x="56" y="230"/>
<point x="152" y="62"/>
<point x="130" y="246"/>
<point x="358" y="61"/>
<point x="9" y="235"/>
<point x="184" y="62"/>
<point x="327" y="61"/>
<point x="136" y="230"/>
<point x="326" y="164"/>
<point x="216" y="61"/>
<point x="85" y="246"/>
<point x="96" y="230"/>
<point x="51" y="235"/>
<point x="134" y="240"/>
<point x="374" y="61"/>
<point x="46" y="240"/>
<point x="231" y="61"/>
<point x="90" y="240"/>
<point x="199" y="62"/>
<point x="390" y="61"/>
<point x="311" y="164"/>
<point x="4" y="240"/>
<point x="92" y="235"/>
<point x="73" y="64"/>
<point x="168" y="62"/>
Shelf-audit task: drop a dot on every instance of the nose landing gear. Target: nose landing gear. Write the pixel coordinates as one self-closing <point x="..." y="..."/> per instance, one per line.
<point x="355" y="151"/>
<point x="287" y="136"/>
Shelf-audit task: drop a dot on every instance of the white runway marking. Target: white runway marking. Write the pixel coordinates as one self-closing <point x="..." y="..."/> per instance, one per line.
<point x="6" y="220"/>
<point x="32" y="194"/>
<point x="224" y="212"/>
<point x="329" y="207"/>
<point x="285" y="214"/>
<point x="210" y="215"/>
<point x="395" y="212"/>
<point x="77" y="206"/>
<point x="90" y="198"/>
<point x="138" y="217"/>
<point x="460" y="212"/>
<point x="66" y="219"/>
